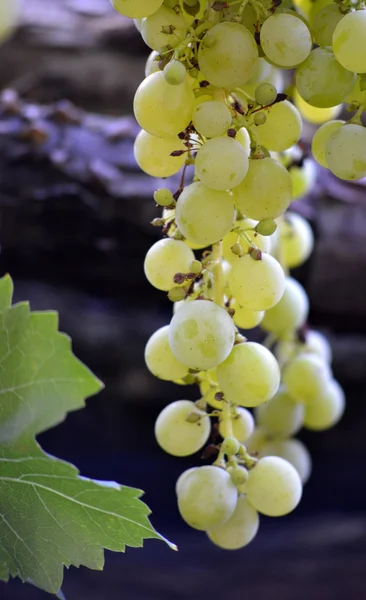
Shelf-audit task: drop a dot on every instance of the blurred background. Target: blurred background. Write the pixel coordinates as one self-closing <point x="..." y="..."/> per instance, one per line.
<point x="74" y="230"/>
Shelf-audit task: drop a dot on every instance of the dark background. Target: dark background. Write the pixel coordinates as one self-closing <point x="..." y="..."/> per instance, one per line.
<point x="74" y="235"/>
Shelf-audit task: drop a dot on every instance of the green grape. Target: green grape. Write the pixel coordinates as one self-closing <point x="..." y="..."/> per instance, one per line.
<point x="153" y="154"/>
<point x="274" y="487"/>
<point x="349" y="41"/>
<point x="266" y="191"/>
<point x="305" y="378"/>
<point x="242" y="424"/>
<point x="207" y="497"/>
<point x="285" y="39"/>
<point x="221" y="163"/>
<point x="259" y="118"/>
<point x="161" y="109"/>
<point x="244" y="318"/>
<point x="290" y="313"/>
<point x="152" y="65"/>
<point x="320" y="140"/>
<point x="266" y="227"/>
<point x="175" y="72"/>
<point x="204" y="215"/>
<point x="281" y="417"/>
<point x="243" y="137"/>
<point x="163" y="197"/>
<point x="296" y="240"/>
<point x="294" y="451"/>
<point x="303" y="178"/>
<point x="136" y="10"/>
<point x="181" y="479"/>
<point x="227" y="55"/>
<point x="282" y="128"/>
<point x="201" y="334"/>
<point x="164" y="259"/>
<point x="212" y="118"/>
<point x="325" y="23"/>
<point x="312" y="114"/>
<point x="316" y="343"/>
<point x="256" y="441"/>
<point x="265" y="93"/>
<point x="321" y="81"/>
<point x="9" y="14"/>
<point x="159" y="358"/>
<point x="249" y="376"/>
<point x="328" y="409"/>
<point x="230" y="446"/>
<point x="239" y="530"/>
<point x="263" y="73"/>
<point x="346" y="152"/>
<point x="178" y="436"/>
<point x="358" y="94"/>
<point x="239" y="475"/>
<point x="154" y="28"/>
<point x="232" y="238"/>
<point x="257" y="284"/>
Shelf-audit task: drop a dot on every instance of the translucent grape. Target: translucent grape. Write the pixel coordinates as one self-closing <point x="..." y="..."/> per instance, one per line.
<point x="256" y="441"/>
<point x="233" y="237"/>
<point x="181" y="479"/>
<point x="152" y="154"/>
<point x="266" y="191"/>
<point x="257" y="284"/>
<point x="136" y="10"/>
<point x="282" y="128"/>
<point x="152" y="65"/>
<point x="221" y="163"/>
<point x="9" y="13"/>
<point x="265" y="93"/>
<point x="274" y="486"/>
<point x="238" y="474"/>
<point x="316" y="343"/>
<point x="212" y="119"/>
<point x="230" y="446"/>
<point x="321" y="138"/>
<point x="303" y="178"/>
<point x="290" y="313"/>
<point x="294" y="451"/>
<point x="243" y="138"/>
<point x="176" y="435"/>
<point x="207" y="497"/>
<point x="164" y="259"/>
<point x="349" y="41"/>
<point x="159" y="358"/>
<point x="201" y="334"/>
<point x="322" y="81"/>
<point x="305" y="378"/>
<point x="281" y="417"/>
<point x="204" y="216"/>
<point x="250" y="375"/>
<point x="244" y="318"/>
<point x="328" y="409"/>
<point x="312" y="114"/>
<point x="285" y="39"/>
<point x="296" y="240"/>
<point x="162" y="109"/>
<point x="346" y="152"/>
<point x="175" y="72"/>
<point x="239" y="530"/>
<point x="163" y="197"/>
<point x="263" y="73"/>
<point x="154" y="28"/>
<point x="325" y="23"/>
<point x="227" y="55"/>
<point x="242" y="424"/>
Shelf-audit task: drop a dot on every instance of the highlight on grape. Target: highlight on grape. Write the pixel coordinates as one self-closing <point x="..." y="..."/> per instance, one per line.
<point x="228" y="84"/>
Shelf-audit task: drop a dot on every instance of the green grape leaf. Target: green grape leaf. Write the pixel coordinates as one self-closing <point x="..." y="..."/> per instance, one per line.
<point x="50" y="516"/>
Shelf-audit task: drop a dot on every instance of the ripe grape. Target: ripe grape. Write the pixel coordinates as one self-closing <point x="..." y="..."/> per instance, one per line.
<point x="316" y="343"/>
<point x="165" y="259"/>
<point x="266" y="191"/>
<point x="242" y="424"/>
<point x="221" y="163"/>
<point x="325" y="23"/>
<point x="321" y="138"/>
<point x="296" y="240"/>
<point x="303" y="178"/>
<point x="201" y="334"/>
<point x="294" y="451"/>
<point x="175" y="72"/>
<point x="349" y="41"/>
<point x="290" y="313"/>
<point x="233" y="237"/>
<point x="305" y="377"/>
<point x="204" y="216"/>
<point x="154" y="28"/>
<point x="159" y="358"/>
<point x="328" y="409"/>
<point x="227" y="55"/>
<point x="274" y="486"/>
<point x="313" y="114"/>
<point x="212" y="118"/>
<point x="239" y="530"/>
<point x="257" y="284"/>
<point x="250" y="375"/>
<point x="136" y="10"/>
<point x="152" y="65"/>
<point x="244" y="318"/>
<point x="207" y="497"/>
<point x="152" y="154"/>
<point x="282" y="128"/>
<point x="263" y="73"/>
<point x="265" y="93"/>
<point x="178" y="436"/>
<point x="285" y="39"/>
<point x="256" y="441"/>
<point x="281" y="417"/>
<point x="346" y="152"/>
<point x="162" y="109"/>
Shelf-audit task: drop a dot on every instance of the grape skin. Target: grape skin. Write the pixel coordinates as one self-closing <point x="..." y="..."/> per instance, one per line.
<point x="164" y="259"/>
<point x="242" y="424"/>
<point x="349" y="41"/>
<point x="152" y="28"/>
<point x="305" y="377"/>
<point x="290" y="313"/>
<point x="211" y="119"/>
<point x="239" y="530"/>
<point x="176" y="435"/>
<point x="294" y="451"/>
<point x="136" y="10"/>
<point x="281" y="417"/>
<point x="152" y="154"/>
<point x="159" y="358"/>
<point x="346" y="152"/>
<point x="328" y="410"/>
<point x="320" y="140"/>
<point x="221" y="163"/>
<point x="281" y="117"/>
<point x="296" y="240"/>
<point x="285" y="39"/>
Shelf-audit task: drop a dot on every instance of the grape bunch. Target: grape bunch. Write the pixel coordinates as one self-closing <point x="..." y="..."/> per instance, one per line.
<point x="227" y="86"/>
